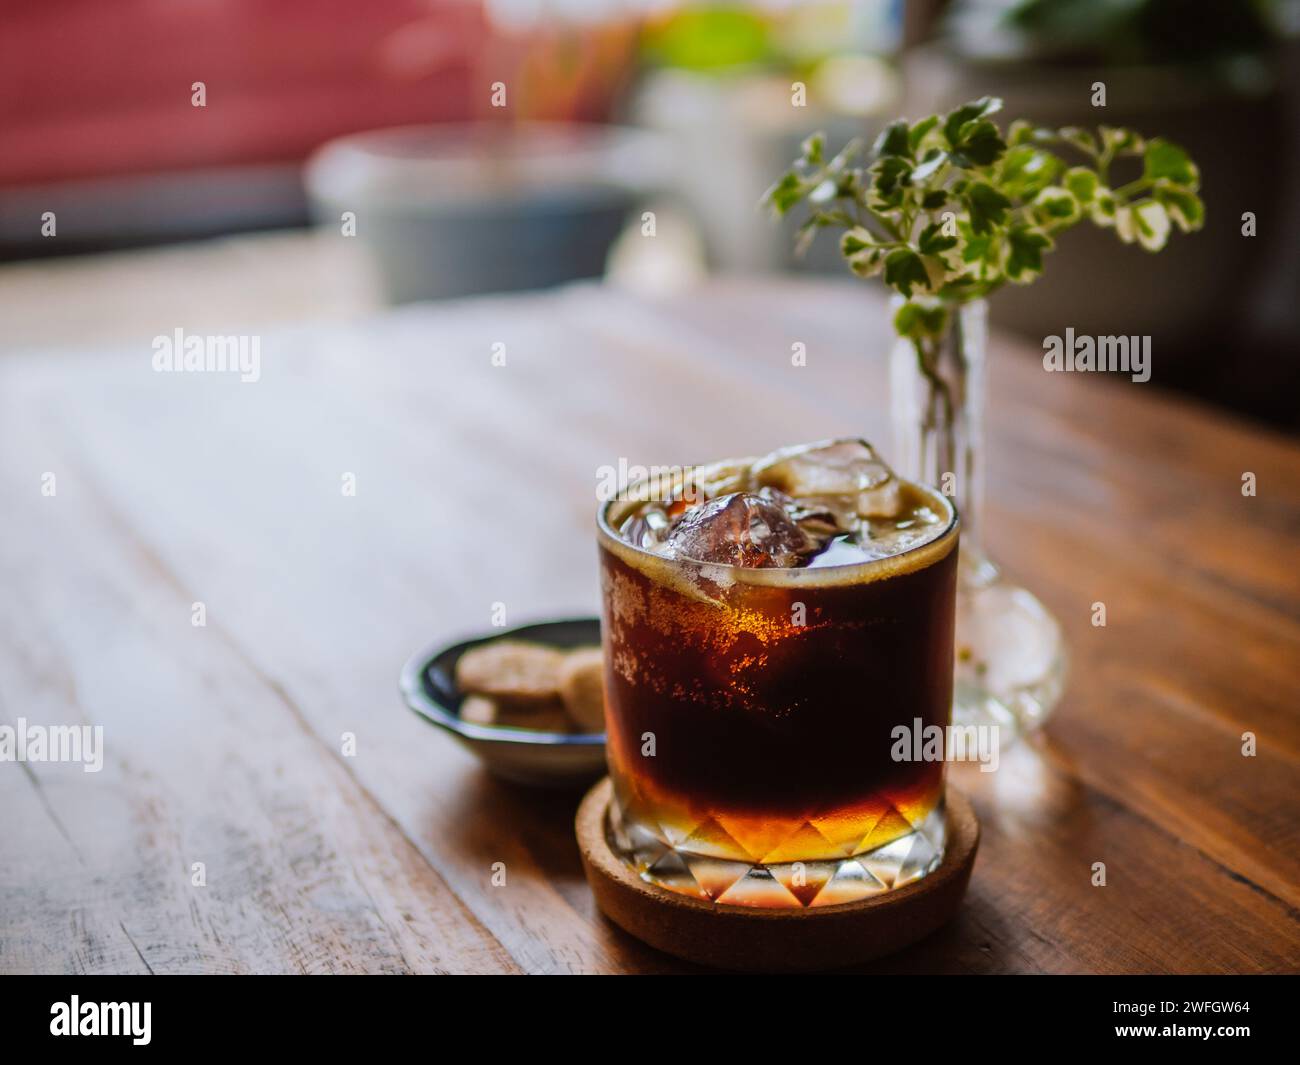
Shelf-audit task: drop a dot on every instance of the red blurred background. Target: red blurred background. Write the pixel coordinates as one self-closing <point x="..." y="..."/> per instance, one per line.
<point x="95" y="89"/>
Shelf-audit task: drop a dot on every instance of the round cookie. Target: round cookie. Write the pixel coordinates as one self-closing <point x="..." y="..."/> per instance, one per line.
<point x="544" y="717"/>
<point x="522" y="673"/>
<point x="478" y="710"/>
<point x="582" y="686"/>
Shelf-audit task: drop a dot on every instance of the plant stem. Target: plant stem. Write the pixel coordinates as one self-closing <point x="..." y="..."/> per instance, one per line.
<point x="940" y="432"/>
<point x="1133" y="187"/>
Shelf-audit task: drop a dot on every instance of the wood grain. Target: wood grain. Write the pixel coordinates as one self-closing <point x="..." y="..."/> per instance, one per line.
<point x="476" y="486"/>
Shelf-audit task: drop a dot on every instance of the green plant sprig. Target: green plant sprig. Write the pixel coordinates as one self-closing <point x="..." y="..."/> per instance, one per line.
<point x="947" y="210"/>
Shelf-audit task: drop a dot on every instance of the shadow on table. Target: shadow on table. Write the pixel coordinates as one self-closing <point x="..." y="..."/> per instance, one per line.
<point x="541" y="822"/>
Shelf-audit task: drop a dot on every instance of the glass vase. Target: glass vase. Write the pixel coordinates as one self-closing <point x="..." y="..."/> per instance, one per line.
<point x="1010" y="654"/>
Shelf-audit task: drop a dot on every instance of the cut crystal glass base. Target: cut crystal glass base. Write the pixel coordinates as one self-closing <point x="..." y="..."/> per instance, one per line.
<point x="781" y="885"/>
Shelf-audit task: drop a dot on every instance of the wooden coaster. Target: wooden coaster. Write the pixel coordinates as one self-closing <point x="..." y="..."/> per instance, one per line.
<point x="743" y="937"/>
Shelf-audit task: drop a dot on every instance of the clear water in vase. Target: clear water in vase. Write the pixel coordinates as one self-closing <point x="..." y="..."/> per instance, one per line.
<point x="1011" y="661"/>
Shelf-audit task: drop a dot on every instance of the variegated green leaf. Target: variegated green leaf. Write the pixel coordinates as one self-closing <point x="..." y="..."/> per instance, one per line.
<point x="1103" y="207"/>
<point x="1168" y="161"/>
<point x="1056" y="206"/>
<point x="1185" y="208"/>
<point x="1025" y="247"/>
<point x="1121" y="141"/>
<point x="1151" y="222"/>
<point x="1082" y="183"/>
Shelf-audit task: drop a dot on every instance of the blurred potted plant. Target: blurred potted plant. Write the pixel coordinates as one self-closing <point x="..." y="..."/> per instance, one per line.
<point x="1205" y="72"/>
<point x="947" y="211"/>
<point x="719" y="78"/>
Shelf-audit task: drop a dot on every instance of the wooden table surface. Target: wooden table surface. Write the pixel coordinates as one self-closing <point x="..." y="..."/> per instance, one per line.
<point x="475" y="485"/>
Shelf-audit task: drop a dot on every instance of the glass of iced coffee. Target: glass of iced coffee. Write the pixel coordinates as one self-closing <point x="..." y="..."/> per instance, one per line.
<point x="769" y="626"/>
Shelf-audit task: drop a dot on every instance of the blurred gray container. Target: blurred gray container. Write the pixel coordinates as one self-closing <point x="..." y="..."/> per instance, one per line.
<point x="454" y="210"/>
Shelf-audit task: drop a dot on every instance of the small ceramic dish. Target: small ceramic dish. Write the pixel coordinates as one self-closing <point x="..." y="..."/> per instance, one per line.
<point x="525" y="756"/>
